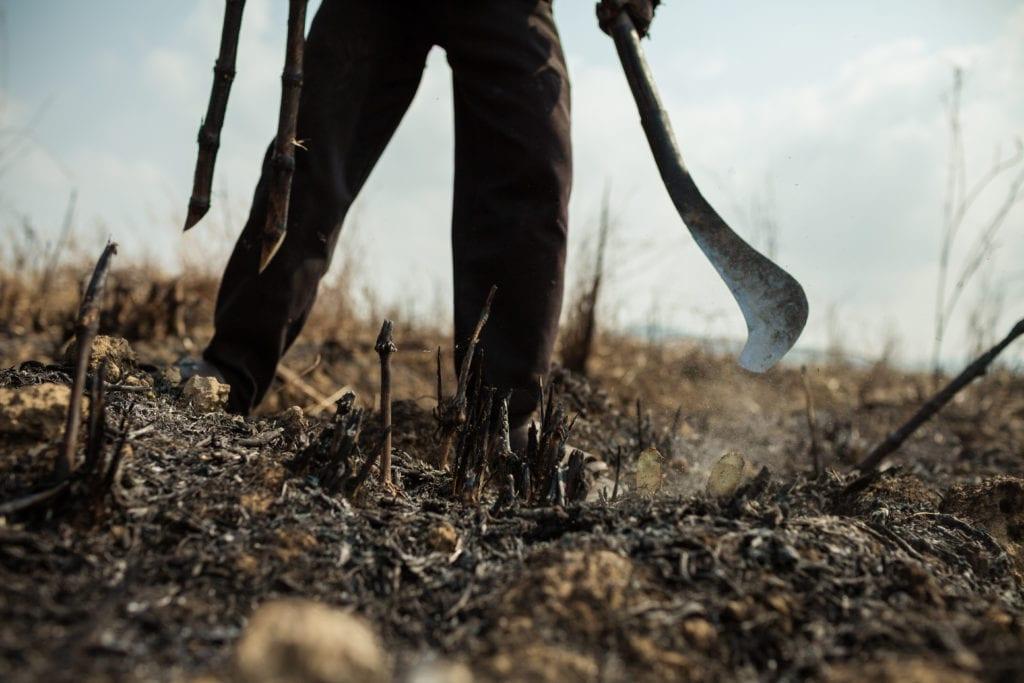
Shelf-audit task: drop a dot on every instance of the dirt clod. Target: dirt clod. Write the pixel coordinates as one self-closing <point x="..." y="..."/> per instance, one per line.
<point x="700" y="632"/>
<point x="298" y="641"/>
<point x="116" y="351"/>
<point x="726" y="476"/>
<point x="205" y="394"/>
<point x="904" y="671"/>
<point x="443" y="538"/>
<point x="544" y="664"/>
<point x="997" y="505"/>
<point x="571" y="592"/>
<point x="37" y="410"/>
<point x="648" y="472"/>
<point x="441" y="672"/>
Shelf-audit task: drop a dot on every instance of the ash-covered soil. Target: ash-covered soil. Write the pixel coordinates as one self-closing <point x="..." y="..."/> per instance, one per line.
<point x="156" y="572"/>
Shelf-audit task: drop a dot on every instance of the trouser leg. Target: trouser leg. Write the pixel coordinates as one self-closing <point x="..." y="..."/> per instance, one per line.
<point x="363" y="63"/>
<point x="512" y="182"/>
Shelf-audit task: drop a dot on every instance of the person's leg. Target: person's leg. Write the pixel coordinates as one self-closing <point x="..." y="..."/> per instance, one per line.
<point x="513" y="174"/>
<point x="363" y="63"/>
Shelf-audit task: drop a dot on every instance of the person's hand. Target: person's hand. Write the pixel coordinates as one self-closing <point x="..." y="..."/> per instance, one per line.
<point x="640" y="11"/>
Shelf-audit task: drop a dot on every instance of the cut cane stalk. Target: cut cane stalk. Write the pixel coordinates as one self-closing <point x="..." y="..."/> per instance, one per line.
<point x="282" y="162"/>
<point x="209" y="131"/>
<point x="934" y="404"/>
<point x="451" y="412"/>
<point x="86" y="325"/>
<point x="384" y="347"/>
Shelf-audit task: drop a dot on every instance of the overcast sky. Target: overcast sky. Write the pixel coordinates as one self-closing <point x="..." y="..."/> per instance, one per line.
<point x="826" y="119"/>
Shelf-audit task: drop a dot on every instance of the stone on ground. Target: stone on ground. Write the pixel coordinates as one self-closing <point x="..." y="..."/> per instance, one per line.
<point x="37" y="410"/>
<point x="726" y="476"/>
<point x="205" y="394"/>
<point x="116" y="351"/>
<point x="299" y="641"/>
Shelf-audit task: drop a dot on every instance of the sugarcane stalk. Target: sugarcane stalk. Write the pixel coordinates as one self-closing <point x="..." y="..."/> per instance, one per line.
<point x="814" y="447"/>
<point x="384" y="347"/>
<point x="209" y="130"/>
<point x="86" y="325"/>
<point x="97" y="418"/>
<point x="451" y="413"/>
<point x="282" y="162"/>
<point x="467" y="361"/>
<point x="976" y="369"/>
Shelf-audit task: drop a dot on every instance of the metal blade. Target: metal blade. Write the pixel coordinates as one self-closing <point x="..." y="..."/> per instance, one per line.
<point x="772" y="302"/>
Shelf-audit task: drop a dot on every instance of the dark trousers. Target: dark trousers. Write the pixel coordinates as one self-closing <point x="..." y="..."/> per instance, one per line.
<point x="363" y="63"/>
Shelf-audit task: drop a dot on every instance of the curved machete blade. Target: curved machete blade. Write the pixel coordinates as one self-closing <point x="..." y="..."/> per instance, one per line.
<point x="772" y="302"/>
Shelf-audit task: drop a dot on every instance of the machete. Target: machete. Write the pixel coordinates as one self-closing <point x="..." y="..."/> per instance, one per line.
<point x="772" y="302"/>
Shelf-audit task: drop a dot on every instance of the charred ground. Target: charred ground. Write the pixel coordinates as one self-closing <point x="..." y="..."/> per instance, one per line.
<point x="155" y="574"/>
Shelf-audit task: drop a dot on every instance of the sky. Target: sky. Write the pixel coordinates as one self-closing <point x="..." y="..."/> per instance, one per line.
<point x="827" y="121"/>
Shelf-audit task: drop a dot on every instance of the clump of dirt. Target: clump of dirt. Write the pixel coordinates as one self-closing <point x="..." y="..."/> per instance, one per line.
<point x="117" y="352"/>
<point x="571" y="601"/>
<point x="443" y="538"/>
<point x="205" y="394"/>
<point x="898" y="671"/>
<point x="570" y="592"/>
<point x="541" y="663"/>
<point x="296" y="641"/>
<point x="38" y="410"/>
<point x="996" y="505"/>
<point x="896" y="490"/>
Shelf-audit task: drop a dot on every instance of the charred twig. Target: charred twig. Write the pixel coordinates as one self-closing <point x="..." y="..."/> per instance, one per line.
<point x="354" y="484"/>
<point x="467" y="361"/>
<point x="618" y="471"/>
<point x="576" y="486"/>
<point x="641" y="442"/>
<point x="109" y="480"/>
<point x="282" y="162"/>
<point x="451" y="413"/>
<point x="31" y="500"/>
<point x="97" y="418"/>
<point x="384" y="347"/>
<point x="814" y="448"/>
<point x="330" y="458"/>
<point x="209" y="131"/>
<point x="503" y="450"/>
<point x="472" y="444"/>
<point x="440" y="381"/>
<point x="85" y="331"/>
<point x="936" y="402"/>
<point x="481" y="451"/>
<point x="547" y="455"/>
<point x="504" y="458"/>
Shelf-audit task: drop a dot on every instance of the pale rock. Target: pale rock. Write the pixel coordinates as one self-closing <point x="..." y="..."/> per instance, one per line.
<point x="38" y="410"/>
<point x="648" y="472"/>
<point x="441" y="672"/>
<point x="172" y="375"/>
<point x="205" y="394"/>
<point x="300" y="641"/>
<point x="443" y="538"/>
<point x="726" y="476"/>
<point x="116" y="351"/>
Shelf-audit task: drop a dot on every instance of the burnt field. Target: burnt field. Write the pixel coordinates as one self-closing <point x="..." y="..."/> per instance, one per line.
<point x="694" y="541"/>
